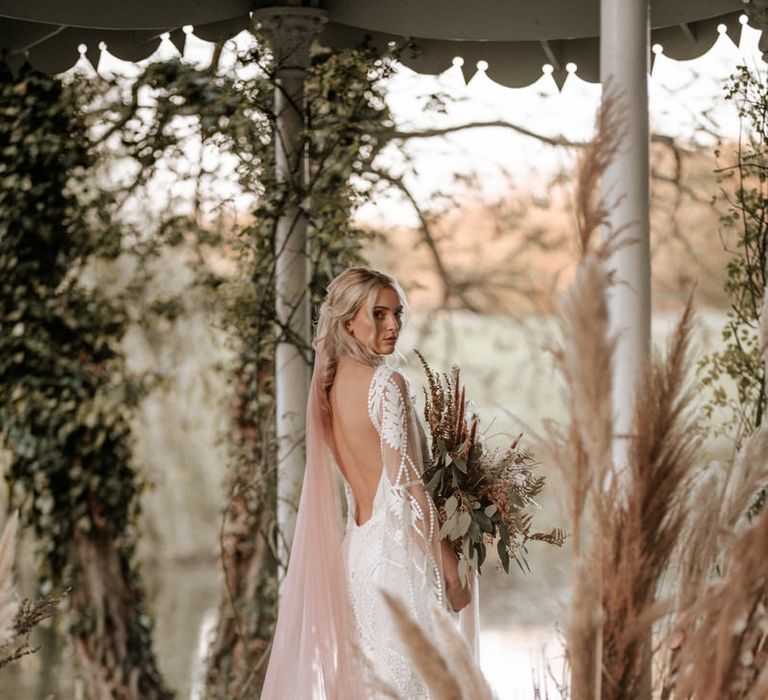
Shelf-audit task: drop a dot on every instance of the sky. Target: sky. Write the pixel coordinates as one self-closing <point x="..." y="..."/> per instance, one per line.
<point x="681" y="93"/>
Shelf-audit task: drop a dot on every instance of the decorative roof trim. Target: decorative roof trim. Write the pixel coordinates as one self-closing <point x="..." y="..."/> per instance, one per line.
<point x="54" y="48"/>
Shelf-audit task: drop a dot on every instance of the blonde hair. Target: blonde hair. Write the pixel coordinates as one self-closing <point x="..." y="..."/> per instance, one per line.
<point x="345" y="295"/>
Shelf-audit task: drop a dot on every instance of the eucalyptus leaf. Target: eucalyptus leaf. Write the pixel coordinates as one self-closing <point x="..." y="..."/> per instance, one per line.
<point x="447" y="527"/>
<point x="504" y="534"/>
<point x="503" y="555"/>
<point x="434" y="482"/>
<point x="465" y="519"/>
<point x="463" y="570"/>
<point x="484" y="522"/>
<point x="480" y="547"/>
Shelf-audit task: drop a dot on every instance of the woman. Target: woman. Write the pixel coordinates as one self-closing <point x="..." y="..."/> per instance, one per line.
<point x="335" y="638"/>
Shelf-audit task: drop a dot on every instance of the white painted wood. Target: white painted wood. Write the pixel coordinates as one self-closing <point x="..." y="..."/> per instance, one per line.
<point x="624" y="61"/>
<point x="290" y="31"/>
<point x="624" y="50"/>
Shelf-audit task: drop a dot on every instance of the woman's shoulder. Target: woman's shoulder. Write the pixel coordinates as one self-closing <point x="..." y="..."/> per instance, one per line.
<point x="389" y="393"/>
<point x="385" y="376"/>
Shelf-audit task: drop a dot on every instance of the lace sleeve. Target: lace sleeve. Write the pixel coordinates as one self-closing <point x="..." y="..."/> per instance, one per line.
<point x="412" y="518"/>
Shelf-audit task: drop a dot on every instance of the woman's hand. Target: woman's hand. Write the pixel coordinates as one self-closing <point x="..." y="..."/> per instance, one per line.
<point x="458" y="596"/>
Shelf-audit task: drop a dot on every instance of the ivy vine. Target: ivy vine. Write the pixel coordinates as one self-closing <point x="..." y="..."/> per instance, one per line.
<point x="744" y="231"/>
<point x="66" y="396"/>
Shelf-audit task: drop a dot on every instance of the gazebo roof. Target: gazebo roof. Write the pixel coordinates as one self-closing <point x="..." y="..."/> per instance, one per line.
<point x="514" y="38"/>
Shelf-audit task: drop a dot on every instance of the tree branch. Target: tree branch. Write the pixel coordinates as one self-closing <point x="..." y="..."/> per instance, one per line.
<point x="451" y="288"/>
<point x="398" y="135"/>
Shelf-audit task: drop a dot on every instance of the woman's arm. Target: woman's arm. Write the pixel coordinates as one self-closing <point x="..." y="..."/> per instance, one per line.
<point x="403" y="460"/>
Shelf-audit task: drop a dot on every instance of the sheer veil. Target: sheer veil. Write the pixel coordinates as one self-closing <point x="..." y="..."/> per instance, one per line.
<point x="312" y="655"/>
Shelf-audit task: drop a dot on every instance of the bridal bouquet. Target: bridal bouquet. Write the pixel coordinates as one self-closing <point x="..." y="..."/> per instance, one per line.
<point x="481" y="494"/>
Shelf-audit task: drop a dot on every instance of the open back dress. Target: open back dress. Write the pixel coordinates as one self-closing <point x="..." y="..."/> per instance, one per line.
<point x="397" y="548"/>
<point x="335" y="637"/>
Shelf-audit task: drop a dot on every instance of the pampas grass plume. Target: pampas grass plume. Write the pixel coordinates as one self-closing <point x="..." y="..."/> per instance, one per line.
<point x="454" y="648"/>
<point x="424" y="655"/>
<point x="451" y="677"/>
<point x="720" y="658"/>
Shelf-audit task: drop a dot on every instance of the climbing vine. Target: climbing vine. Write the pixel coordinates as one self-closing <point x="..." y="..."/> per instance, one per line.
<point x="744" y="231"/>
<point x="66" y="397"/>
<point x="232" y="112"/>
<point x="344" y="105"/>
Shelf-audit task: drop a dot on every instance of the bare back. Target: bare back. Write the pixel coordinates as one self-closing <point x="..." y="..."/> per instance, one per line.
<point x="356" y="440"/>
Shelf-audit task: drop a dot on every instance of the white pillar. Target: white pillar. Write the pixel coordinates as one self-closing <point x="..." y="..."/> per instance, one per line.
<point x="290" y="31"/>
<point x="624" y="61"/>
<point x="624" y="53"/>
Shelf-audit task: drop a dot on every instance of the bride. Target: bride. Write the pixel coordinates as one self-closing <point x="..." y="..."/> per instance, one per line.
<point x="335" y="638"/>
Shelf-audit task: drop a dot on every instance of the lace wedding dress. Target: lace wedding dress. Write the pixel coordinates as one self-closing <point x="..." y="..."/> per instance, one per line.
<point x="331" y="608"/>
<point x="397" y="549"/>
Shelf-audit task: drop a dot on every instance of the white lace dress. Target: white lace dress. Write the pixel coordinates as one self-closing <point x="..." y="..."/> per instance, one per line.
<point x="397" y="548"/>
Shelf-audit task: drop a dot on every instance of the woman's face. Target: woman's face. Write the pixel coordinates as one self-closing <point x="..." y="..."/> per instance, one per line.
<point x="381" y="337"/>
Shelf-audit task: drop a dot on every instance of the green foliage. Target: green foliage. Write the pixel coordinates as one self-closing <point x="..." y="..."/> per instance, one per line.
<point x="65" y="397"/>
<point x="744" y="230"/>
<point x="344" y="107"/>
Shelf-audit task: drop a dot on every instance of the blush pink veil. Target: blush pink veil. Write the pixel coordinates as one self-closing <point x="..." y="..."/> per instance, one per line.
<point x="313" y="653"/>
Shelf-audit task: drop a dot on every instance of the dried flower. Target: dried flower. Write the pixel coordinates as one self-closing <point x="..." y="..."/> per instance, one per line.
<point x="481" y="494"/>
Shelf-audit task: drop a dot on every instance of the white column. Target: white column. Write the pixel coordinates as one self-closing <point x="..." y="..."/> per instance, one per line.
<point x="624" y="61"/>
<point x="290" y="31"/>
<point x="624" y="53"/>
